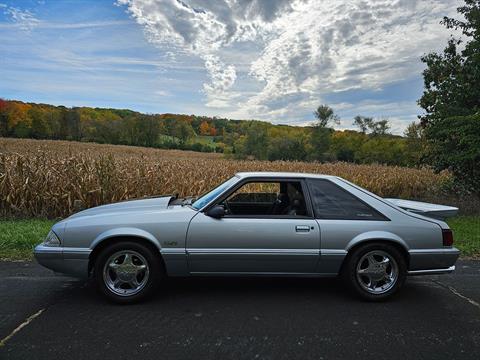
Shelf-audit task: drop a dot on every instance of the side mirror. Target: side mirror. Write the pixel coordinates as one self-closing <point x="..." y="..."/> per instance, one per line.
<point x="216" y="212"/>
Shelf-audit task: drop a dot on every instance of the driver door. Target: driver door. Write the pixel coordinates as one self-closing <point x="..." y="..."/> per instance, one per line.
<point x="268" y="228"/>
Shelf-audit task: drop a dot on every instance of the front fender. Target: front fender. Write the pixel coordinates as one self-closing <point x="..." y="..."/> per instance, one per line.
<point x="125" y="232"/>
<point x="376" y="235"/>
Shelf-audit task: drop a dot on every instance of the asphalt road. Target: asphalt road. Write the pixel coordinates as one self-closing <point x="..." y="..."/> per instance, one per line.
<point x="434" y="317"/>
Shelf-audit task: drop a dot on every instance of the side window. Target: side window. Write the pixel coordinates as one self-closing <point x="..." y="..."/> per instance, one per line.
<point x="255" y="192"/>
<point x="330" y="201"/>
<point x="267" y="198"/>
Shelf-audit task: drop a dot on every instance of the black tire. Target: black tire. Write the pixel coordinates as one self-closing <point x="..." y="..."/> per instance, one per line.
<point x="139" y="254"/>
<point x="358" y="283"/>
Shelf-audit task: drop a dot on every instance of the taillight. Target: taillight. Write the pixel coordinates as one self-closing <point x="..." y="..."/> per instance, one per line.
<point x="447" y="237"/>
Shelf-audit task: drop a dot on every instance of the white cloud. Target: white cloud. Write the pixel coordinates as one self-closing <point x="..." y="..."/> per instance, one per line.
<point x="27" y="21"/>
<point x="346" y="45"/>
<point x="297" y="51"/>
<point x="204" y="29"/>
<point x="162" y="93"/>
<point x="222" y="79"/>
<point x="24" y="19"/>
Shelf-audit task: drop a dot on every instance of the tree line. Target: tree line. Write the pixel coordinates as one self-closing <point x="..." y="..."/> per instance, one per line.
<point x="371" y="144"/>
<point x="112" y="126"/>
<point x="243" y="139"/>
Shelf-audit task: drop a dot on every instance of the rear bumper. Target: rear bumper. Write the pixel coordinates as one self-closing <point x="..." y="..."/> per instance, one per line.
<point x="69" y="261"/>
<point x="429" y="261"/>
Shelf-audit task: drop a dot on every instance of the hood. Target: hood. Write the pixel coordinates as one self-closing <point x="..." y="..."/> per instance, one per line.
<point x="150" y="204"/>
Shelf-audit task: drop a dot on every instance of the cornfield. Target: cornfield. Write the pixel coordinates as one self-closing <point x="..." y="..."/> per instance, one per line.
<point x="50" y="178"/>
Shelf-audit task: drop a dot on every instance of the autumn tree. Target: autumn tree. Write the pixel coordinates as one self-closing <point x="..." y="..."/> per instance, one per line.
<point x="3" y="118"/>
<point x="415" y="139"/>
<point x="149" y="130"/>
<point x="363" y="123"/>
<point x="367" y="124"/>
<point x="287" y="147"/>
<point x="72" y="123"/>
<point x="39" y="125"/>
<point x="320" y="137"/>
<point x="346" y="144"/>
<point x="254" y="143"/>
<point x="204" y="128"/>
<point x="380" y="127"/>
<point x="184" y="131"/>
<point x="18" y="122"/>
<point x="325" y="116"/>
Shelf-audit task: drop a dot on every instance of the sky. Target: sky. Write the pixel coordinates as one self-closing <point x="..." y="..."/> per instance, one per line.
<point x="272" y="60"/>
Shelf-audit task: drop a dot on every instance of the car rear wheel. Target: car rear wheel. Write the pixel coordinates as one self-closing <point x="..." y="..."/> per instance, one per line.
<point x="375" y="271"/>
<point x="127" y="272"/>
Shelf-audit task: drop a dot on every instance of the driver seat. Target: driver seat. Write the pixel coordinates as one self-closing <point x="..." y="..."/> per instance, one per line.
<point x="297" y="206"/>
<point x="280" y="204"/>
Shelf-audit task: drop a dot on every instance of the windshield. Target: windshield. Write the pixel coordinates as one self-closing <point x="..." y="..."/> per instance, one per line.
<point x="205" y="199"/>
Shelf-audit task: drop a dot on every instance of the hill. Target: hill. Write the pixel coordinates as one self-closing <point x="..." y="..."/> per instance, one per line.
<point x="238" y="138"/>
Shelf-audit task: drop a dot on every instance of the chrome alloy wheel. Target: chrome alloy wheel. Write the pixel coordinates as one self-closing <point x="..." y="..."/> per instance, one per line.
<point x="377" y="272"/>
<point x="126" y="272"/>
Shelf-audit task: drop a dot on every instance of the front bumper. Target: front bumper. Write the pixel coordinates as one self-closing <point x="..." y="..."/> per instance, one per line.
<point x="429" y="261"/>
<point x="69" y="261"/>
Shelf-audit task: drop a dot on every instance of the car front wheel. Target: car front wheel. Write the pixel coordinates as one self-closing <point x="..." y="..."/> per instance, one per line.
<point x="127" y="272"/>
<point x="375" y="271"/>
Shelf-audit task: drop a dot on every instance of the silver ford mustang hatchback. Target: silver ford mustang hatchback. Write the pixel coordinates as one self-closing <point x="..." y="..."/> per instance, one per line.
<point x="275" y="224"/>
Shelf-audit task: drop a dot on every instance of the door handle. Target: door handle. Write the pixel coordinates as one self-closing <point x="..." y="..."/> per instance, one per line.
<point x="302" y="228"/>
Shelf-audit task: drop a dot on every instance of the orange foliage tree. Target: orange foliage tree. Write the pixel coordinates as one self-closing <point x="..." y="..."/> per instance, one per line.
<point x="3" y="117"/>
<point x="204" y="128"/>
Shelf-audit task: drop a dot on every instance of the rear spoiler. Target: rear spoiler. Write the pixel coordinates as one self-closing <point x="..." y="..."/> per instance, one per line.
<point x="426" y="209"/>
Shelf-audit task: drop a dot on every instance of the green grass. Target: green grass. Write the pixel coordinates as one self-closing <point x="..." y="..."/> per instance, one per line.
<point x="466" y="234"/>
<point x="18" y="237"/>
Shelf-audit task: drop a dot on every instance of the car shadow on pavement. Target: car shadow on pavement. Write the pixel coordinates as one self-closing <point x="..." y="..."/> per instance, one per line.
<point x="240" y="289"/>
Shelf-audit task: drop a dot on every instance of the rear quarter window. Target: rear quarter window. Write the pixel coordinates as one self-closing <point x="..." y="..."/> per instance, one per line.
<point x="330" y="201"/>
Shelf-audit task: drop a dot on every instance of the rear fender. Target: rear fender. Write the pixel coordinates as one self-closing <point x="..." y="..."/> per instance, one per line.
<point x="376" y="235"/>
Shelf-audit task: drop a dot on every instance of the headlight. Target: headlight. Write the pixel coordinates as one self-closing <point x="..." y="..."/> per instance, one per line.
<point x="51" y="239"/>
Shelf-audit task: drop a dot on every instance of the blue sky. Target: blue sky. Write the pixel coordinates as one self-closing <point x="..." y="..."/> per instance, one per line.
<point x="252" y="59"/>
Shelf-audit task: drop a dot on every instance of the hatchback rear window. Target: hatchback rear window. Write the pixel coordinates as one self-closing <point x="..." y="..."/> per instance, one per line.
<point x="330" y="201"/>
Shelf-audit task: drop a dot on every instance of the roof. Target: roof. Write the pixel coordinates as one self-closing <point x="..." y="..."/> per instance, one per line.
<point x="282" y="174"/>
